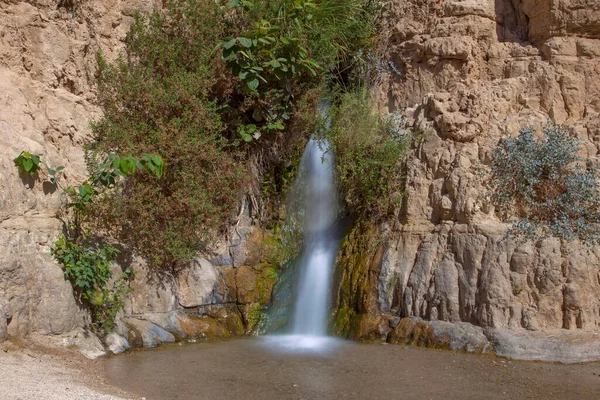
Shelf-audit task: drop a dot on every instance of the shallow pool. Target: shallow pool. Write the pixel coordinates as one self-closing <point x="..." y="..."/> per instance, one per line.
<point x="272" y="368"/>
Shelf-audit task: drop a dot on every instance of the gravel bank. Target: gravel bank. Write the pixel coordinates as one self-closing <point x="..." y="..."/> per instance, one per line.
<point x="28" y="371"/>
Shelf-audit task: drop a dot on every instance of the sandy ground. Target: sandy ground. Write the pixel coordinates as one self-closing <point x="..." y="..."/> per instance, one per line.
<point x="29" y="371"/>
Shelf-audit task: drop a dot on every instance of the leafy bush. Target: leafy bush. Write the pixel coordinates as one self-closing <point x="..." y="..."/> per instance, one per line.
<point x="86" y="264"/>
<point x="550" y="188"/>
<point x="159" y="100"/>
<point x="218" y="92"/>
<point x="369" y="151"/>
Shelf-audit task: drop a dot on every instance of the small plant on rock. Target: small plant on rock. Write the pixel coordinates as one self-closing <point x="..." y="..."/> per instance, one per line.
<point x="549" y="187"/>
<point x="85" y="259"/>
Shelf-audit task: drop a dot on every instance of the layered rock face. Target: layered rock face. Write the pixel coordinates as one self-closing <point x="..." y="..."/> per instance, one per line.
<point x="468" y="73"/>
<point x="47" y="100"/>
<point x="47" y="63"/>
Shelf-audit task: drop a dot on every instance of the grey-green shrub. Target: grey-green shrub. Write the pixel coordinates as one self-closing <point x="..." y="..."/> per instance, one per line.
<point x="551" y="189"/>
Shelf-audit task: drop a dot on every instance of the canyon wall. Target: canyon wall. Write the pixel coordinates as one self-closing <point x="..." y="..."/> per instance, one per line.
<point x="467" y="73"/>
<point x="48" y="54"/>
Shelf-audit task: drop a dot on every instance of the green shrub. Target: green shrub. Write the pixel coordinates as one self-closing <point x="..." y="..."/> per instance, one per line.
<point x="547" y="185"/>
<point x="159" y="100"/>
<point x="86" y="264"/>
<point x="221" y="93"/>
<point x="369" y="151"/>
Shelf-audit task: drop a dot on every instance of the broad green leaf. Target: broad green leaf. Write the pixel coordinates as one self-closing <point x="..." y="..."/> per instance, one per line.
<point x="156" y="159"/>
<point x="28" y="164"/>
<point x="252" y="85"/>
<point x="246" y="42"/>
<point x="229" y="44"/>
<point x="247" y="138"/>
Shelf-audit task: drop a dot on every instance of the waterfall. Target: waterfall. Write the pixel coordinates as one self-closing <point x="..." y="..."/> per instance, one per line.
<point x="320" y="240"/>
<point x="313" y="208"/>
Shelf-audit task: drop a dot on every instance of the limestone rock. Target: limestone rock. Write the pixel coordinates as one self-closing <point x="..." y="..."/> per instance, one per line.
<point x="3" y="330"/>
<point x="455" y="336"/>
<point x="551" y="346"/>
<point x="468" y="73"/>
<point x="202" y="328"/>
<point x="47" y="65"/>
<point x="80" y="339"/>
<point x="197" y="284"/>
<point x="116" y="343"/>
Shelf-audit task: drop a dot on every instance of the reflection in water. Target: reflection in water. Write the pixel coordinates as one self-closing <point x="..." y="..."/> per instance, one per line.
<point x="248" y="369"/>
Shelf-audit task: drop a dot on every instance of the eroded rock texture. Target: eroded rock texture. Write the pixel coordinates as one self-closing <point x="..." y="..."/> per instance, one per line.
<point x="468" y="73"/>
<point x="47" y="100"/>
<point x="47" y="63"/>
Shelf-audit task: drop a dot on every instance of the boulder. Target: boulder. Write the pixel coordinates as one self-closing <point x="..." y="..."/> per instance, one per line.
<point x="146" y="334"/>
<point x="116" y="343"/>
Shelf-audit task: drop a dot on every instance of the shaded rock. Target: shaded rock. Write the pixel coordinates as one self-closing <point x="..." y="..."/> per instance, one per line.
<point x="366" y="328"/>
<point x="551" y="345"/>
<point x="202" y="327"/>
<point x="3" y="327"/>
<point x="151" y="293"/>
<point x="246" y="282"/>
<point x="167" y="321"/>
<point x="146" y="334"/>
<point x="116" y="343"/>
<point x="227" y="315"/>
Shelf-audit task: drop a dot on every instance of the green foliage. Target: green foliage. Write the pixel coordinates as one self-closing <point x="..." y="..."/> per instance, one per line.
<point x="27" y="163"/>
<point x="550" y="188"/>
<point x="369" y="151"/>
<point x="270" y="52"/>
<point x="161" y="99"/>
<point x="86" y="264"/>
<point x="218" y="92"/>
<point x="85" y="261"/>
<point x="281" y="49"/>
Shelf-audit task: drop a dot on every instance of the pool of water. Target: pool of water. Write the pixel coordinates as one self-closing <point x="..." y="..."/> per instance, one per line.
<point x="280" y="368"/>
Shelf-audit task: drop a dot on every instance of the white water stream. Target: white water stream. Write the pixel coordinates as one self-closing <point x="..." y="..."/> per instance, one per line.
<point x="319" y="205"/>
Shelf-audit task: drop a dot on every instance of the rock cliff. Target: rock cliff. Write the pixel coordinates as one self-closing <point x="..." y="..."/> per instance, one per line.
<point x="467" y="73"/>
<point x="48" y="54"/>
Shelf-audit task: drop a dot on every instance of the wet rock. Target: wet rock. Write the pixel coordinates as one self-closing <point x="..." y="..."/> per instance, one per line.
<point x="366" y="328"/>
<point x="246" y="282"/>
<point x="116" y="343"/>
<point x="146" y="334"/>
<point x="202" y="327"/>
<point x="227" y="315"/>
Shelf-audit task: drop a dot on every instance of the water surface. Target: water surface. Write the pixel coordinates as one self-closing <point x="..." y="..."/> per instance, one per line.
<point x="264" y="368"/>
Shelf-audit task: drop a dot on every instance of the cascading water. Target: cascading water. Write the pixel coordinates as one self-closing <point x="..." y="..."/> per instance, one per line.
<point x="315" y="202"/>
<point x="320" y="241"/>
